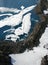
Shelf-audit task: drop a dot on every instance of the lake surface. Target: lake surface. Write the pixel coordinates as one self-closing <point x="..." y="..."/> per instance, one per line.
<point x="8" y="9"/>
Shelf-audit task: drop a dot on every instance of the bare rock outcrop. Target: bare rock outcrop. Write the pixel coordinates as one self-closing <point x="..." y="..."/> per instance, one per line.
<point x="5" y="59"/>
<point x="45" y="60"/>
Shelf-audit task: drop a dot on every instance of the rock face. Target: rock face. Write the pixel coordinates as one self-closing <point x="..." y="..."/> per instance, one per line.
<point x="45" y="60"/>
<point x="44" y="5"/>
<point x="5" y="60"/>
<point x="7" y="48"/>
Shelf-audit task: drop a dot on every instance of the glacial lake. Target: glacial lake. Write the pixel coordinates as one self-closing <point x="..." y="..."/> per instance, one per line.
<point x="17" y="19"/>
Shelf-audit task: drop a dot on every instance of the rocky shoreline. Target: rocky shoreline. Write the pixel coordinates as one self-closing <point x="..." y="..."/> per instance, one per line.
<point x="7" y="48"/>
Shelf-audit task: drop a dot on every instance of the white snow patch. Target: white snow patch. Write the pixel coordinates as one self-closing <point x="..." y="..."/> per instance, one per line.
<point x="15" y="19"/>
<point x="12" y="37"/>
<point x="5" y="9"/>
<point x="32" y="57"/>
<point x="22" y="7"/>
<point x="45" y="11"/>
<point x="44" y="38"/>
<point x="26" y="23"/>
<point x="5" y="14"/>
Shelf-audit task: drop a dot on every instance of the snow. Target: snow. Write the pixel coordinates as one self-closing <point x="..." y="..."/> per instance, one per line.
<point x="45" y="11"/>
<point x="44" y="38"/>
<point x="32" y="57"/>
<point x="15" y="19"/>
<point x="5" y="14"/>
<point x="24" y="17"/>
<point x="22" y="7"/>
<point x="11" y="21"/>
<point x="13" y="37"/>
<point x="29" y="58"/>
<point x="26" y="24"/>
<point x="5" y="9"/>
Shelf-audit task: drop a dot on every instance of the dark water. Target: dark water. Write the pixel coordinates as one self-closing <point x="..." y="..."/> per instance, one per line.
<point x="17" y="4"/>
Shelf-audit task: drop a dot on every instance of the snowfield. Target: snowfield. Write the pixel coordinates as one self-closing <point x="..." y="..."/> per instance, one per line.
<point x="32" y="57"/>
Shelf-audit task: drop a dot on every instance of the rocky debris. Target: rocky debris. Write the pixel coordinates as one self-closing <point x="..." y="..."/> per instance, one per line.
<point x="5" y="59"/>
<point x="45" y="60"/>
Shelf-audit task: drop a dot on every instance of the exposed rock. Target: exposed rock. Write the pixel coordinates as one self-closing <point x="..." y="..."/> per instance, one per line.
<point x="45" y="60"/>
<point x="5" y="59"/>
<point x="43" y="5"/>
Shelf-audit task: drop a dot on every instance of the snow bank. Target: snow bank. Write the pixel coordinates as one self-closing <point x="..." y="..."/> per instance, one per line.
<point x="32" y="57"/>
<point x="29" y="58"/>
<point x="5" y="14"/>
